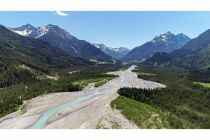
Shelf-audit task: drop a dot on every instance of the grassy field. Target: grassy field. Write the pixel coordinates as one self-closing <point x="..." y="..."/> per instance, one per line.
<point x="143" y="115"/>
<point x="206" y="85"/>
<point x="103" y="81"/>
<point x="144" y="73"/>
<point x="187" y="104"/>
<point x="97" y="81"/>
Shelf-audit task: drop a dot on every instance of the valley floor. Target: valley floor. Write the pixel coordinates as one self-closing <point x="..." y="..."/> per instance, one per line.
<point x="89" y="108"/>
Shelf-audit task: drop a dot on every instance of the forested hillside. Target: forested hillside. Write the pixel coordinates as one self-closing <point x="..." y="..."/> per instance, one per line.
<point x="185" y="104"/>
<point x="21" y="58"/>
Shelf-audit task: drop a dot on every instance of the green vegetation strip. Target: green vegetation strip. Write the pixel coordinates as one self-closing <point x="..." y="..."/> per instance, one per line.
<point x="104" y="81"/>
<point x="143" y="115"/>
<point x="207" y="85"/>
<point x="98" y="81"/>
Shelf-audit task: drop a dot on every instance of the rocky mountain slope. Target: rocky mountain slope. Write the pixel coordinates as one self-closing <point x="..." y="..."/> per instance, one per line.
<point x="117" y="53"/>
<point x="163" y="43"/>
<point x="196" y="53"/>
<point x="60" y="38"/>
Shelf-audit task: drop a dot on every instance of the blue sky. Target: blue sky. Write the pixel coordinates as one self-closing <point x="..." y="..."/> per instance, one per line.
<point x="115" y="29"/>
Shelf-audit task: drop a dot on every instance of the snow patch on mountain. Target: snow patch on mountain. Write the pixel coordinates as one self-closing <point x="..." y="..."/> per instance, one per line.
<point x="166" y="42"/>
<point x="163" y="37"/>
<point x="31" y="31"/>
<point x="23" y="33"/>
<point x="41" y="31"/>
<point x="117" y="53"/>
<point x="24" y="30"/>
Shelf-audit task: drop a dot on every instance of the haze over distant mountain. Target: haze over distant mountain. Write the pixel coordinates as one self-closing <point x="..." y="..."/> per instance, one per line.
<point x="117" y="53"/>
<point x="196" y="53"/>
<point x="60" y="38"/>
<point x="166" y="42"/>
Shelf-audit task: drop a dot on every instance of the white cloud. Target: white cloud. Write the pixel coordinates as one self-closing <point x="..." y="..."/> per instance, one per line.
<point x="61" y="13"/>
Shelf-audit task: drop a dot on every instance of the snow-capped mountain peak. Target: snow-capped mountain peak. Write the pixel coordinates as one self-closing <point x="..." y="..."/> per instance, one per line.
<point x="24" y="30"/>
<point x="117" y="53"/>
<point x="56" y="29"/>
<point x="120" y="49"/>
<point x="60" y="38"/>
<point x="40" y="32"/>
<point x="31" y="31"/>
<point x="27" y="26"/>
<point x="166" y="42"/>
<point x="163" y="37"/>
<point x="100" y="46"/>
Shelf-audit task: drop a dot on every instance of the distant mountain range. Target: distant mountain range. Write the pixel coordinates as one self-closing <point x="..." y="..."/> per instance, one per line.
<point x="52" y="46"/>
<point x="163" y="43"/>
<point x="117" y="53"/>
<point x="196" y="53"/>
<point x="60" y="38"/>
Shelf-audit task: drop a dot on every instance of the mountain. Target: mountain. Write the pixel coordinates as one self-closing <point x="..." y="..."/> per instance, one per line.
<point x="117" y="53"/>
<point x="36" y="50"/>
<point x="25" y="30"/>
<point x="60" y="38"/>
<point x="196" y="53"/>
<point x="122" y="51"/>
<point x="163" y="43"/>
<point x="18" y="53"/>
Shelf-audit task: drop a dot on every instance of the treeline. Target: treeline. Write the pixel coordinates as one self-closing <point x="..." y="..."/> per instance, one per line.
<point x="11" y="75"/>
<point x="142" y="95"/>
<point x="200" y="75"/>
